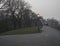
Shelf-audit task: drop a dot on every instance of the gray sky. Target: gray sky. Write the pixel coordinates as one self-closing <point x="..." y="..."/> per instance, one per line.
<point x="46" y="8"/>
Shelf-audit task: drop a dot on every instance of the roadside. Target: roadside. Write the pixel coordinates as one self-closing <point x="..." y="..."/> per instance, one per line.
<point x="49" y="37"/>
<point x="27" y="30"/>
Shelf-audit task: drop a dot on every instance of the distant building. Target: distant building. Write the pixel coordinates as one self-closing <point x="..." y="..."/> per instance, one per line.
<point x="52" y="22"/>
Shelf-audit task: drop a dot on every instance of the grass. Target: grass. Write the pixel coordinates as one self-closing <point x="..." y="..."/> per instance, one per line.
<point x="56" y="27"/>
<point x="27" y="30"/>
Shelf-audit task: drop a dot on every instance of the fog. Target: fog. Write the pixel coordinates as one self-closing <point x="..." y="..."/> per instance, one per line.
<point x="46" y="8"/>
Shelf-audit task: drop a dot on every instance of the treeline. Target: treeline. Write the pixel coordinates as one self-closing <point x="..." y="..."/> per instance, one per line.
<point x="16" y="14"/>
<point x="53" y="23"/>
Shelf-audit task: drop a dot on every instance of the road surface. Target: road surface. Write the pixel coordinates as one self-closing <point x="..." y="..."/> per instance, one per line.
<point x="49" y="37"/>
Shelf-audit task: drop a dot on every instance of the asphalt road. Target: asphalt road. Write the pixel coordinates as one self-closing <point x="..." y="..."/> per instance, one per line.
<point x="49" y="37"/>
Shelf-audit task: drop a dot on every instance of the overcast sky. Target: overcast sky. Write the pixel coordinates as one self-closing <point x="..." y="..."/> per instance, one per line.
<point x="46" y="8"/>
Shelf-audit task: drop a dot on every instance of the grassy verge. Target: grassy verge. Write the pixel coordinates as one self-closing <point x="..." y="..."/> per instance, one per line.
<point x="56" y="27"/>
<point x="27" y="30"/>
